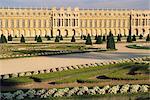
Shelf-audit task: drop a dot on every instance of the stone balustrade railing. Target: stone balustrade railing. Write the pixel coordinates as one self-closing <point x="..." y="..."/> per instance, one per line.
<point x="29" y="73"/>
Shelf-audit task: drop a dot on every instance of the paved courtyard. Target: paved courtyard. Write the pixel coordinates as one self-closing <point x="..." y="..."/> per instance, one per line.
<point x="45" y="62"/>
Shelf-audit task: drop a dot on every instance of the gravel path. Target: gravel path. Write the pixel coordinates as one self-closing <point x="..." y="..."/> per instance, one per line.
<point x="45" y="62"/>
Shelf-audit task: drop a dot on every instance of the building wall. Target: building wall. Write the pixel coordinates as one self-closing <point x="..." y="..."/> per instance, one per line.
<point x="67" y="22"/>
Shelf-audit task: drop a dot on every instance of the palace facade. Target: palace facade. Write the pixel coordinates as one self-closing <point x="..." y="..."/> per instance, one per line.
<point x="68" y="22"/>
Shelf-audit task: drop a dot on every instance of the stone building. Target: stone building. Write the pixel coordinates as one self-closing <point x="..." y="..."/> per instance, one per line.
<point x="68" y="21"/>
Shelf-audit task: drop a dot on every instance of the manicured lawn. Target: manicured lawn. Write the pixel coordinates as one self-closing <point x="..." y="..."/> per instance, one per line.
<point x="123" y="71"/>
<point x="138" y="47"/>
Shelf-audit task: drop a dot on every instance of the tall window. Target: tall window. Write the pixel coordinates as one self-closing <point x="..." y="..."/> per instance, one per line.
<point x="104" y="22"/>
<point x="85" y="22"/>
<point x="17" y="23"/>
<point x="143" y="22"/>
<point x="136" y="22"/>
<point x="39" y="24"/>
<point x="95" y="23"/>
<point x="58" y="22"/>
<point x="66" y="22"/>
<point x="73" y="22"/>
<point x="90" y="22"/>
<point x="28" y="23"/>
<point x="109" y="22"/>
<point x="23" y="23"/>
<point x="100" y="23"/>
<point x="12" y="23"/>
<point x="34" y="23"/>
<point x="119" y="23"/>
<point x="114" y="23"/>
<point x="123" y="22"/>
<point x="44" y="23"/>
<point x="6" y="23"/>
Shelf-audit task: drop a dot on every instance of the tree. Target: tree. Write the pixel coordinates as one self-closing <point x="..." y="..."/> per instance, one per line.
<point x="39" y="39"/>
<point x="110" y="41"/>
<point x="22" y="40"/>
<point x="104" y="38"/>
<point x="35" y="39"/>
<point x="3" y="39"/>
<point x="61" y="37"/>
<point x="73" y="39"/>
<point x="9" y="37"/>
<point x="57" y="39"/>
<point x="134" y="38"/>
<point x="141" y="36"/>
<point x="96" y="37"/>
<point x="48" y="38"/>
<point x="99" y="40"/>
<point x="88" y="40"/>
<point x="148" y="38"/>
<point x="119" y="37"/>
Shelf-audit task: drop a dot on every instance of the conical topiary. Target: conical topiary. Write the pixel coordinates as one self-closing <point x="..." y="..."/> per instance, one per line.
<point x="22" y="40"/>
<point x="3" y="39"/>
<point x="57" y="39"/>
<point x="110" y="41"/>
<point x="35" y="39"/>
<point x="99" y="40"/>
<point x="9" y="37"/>
<point x="119" y="37"/>
<point x="147" y="38"/>
<point x="104" y="38"/>
<point x="141" y="36"/>
<point x="96" y="37"/>
<point x="134" y="38"/>
<point x="48" y="38"/>
<point x="61" y="37"/>
<point x="88" y="40"/>
<point x="73" y="39"/>
<point x="129" y="38"/>
<point x="39" y="39"/>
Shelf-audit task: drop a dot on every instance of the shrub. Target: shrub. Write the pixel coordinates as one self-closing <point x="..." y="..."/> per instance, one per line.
<point x="3" y="39"/>
<point x="141" y="36"/>
<point x="148" y="38"/>
<point x="110" y="41"/>
<point x="104" y="38"/>
<point x="57" y="39"/>
<point x="119" y="37"/>
<point x="22" y="40"/>
<point x="61" y="37"/>
<point x="48" y="38"/>
<point x="134" y="38"/>
<point x="99" y="40"/>
<point x="96" y="37"/>
<point x="84" y="37"/>
<point x="73" y="39"/>
<point x="129" y="38"/>
<point x="88" y="40"/>
<point x="35" y="39"/>
<point x="9" y="37"/>
<point x="39" y="39"/>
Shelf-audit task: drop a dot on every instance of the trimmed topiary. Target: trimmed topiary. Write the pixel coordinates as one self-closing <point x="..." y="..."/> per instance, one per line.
<point x="96" y="37"/>
<point x="48" y="38"/>
<point x="61" y="37"/>
<point x="104" y="38"/>
<point x="22" y="40"/>
<point x="148" y="38"/>
<point x="73" y="39"/>
<point x="3" y="39"/>
<point x="35" y="39"/>
<point x="134" y="38"/>
<point x="88" y="40"/>
<point x="9" y="37"/>
<point x="119" y="37"/>
<point x="110" y="41"/>
<point x="39" y="39"/>
<point x="57" y="39"/>
<point x="141" y="36"/>
<point x="84" y="37"/>
<point x="99" y="40"/>
<point x="129" y="38"/>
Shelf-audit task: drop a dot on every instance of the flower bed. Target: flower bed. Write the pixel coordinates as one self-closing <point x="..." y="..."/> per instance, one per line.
<point x="45" y="93"/>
